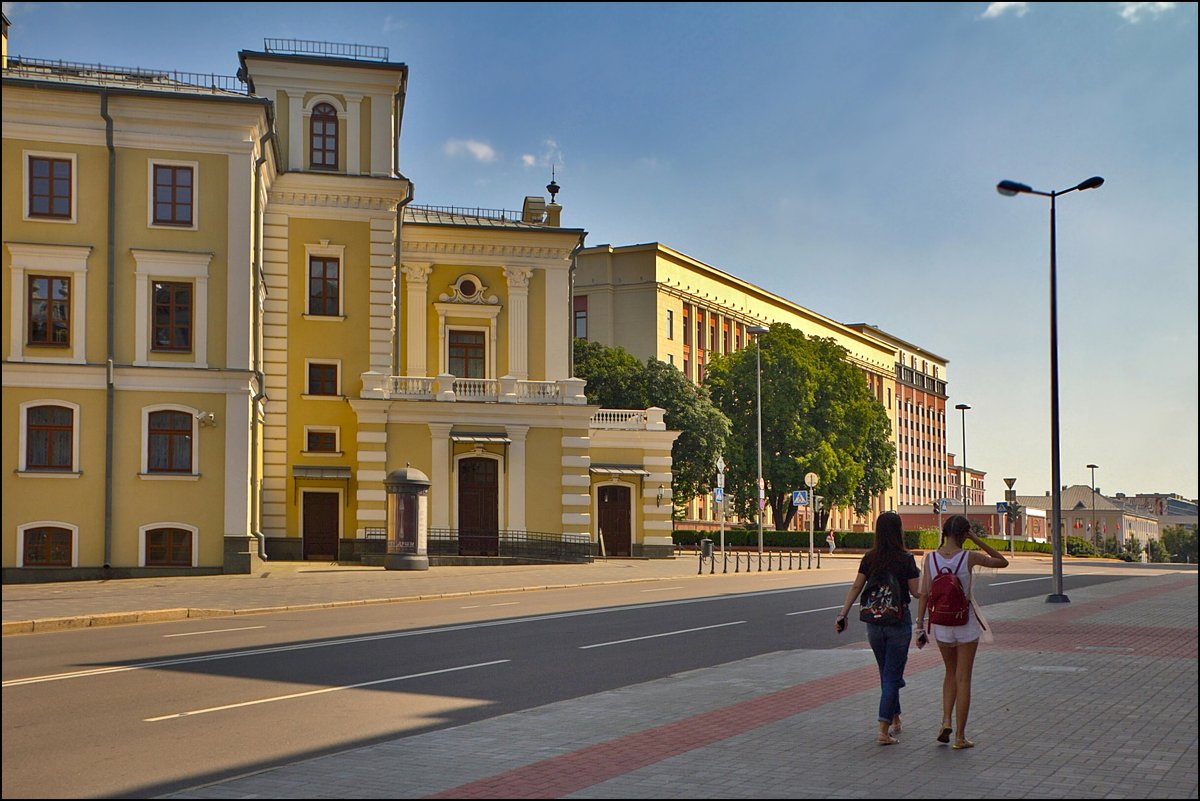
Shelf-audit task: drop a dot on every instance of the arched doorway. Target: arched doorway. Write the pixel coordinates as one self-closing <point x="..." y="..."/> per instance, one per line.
<point x="612" y="513"/>
<point x="478" y="504"/>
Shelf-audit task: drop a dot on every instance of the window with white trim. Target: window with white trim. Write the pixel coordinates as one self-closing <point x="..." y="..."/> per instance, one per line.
<point x="48" y="309"/>
<point x="47" y="544"/>
<point x="170" y="441"/>
<point x="50" y="191"/>
<point x="174" y="188"/>
<point x="50" y="438"/>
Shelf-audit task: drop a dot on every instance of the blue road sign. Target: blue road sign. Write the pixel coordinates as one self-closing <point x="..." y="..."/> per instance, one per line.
<point x="944" y="505"/>
<point x="719" y="495"/>
<point x="1002" y="507"/>
<point x="799" y="497"/>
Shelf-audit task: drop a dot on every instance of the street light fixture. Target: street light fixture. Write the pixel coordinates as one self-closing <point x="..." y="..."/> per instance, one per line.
<point x="758" y="330"/>
<point x="1011" y="188"/>
<point x="1095" y="531"/>
<point x="962" y="470"/>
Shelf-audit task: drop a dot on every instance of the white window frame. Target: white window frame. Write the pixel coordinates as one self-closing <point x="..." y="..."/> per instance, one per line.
<point x="306" y="131"/>
<point x="325" y="251"/>
<point x="336" y="397"/>
<point x="21" y="529"/>
<point x="58" y="260"/>
<point x="335" y="430"/>
<point x="169" y="265"/>
<point x="46" y="154"/>
<point x="144" y="530"/>
<point x="633" y="498"/>
<point x="150" y="223"/>
<point x="23" y="441"/>
<point x="145" y="473"/>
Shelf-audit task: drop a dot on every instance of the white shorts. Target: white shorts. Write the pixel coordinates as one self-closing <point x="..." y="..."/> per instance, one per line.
<point x="954" y="635"/>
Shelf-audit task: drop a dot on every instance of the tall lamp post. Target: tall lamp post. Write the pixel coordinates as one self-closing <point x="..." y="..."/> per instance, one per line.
<point x="758" y="330"/>
<point x="962" y="471"/>
<point x="1009" y="189"/>
<point x="1095" y="531"/>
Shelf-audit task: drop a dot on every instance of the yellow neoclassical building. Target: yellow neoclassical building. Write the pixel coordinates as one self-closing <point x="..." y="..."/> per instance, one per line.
<point x="228" y="323"/>
<point x="655" y="301"/>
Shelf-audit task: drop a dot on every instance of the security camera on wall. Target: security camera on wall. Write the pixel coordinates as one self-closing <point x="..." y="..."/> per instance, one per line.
<point x="207" y="418"/>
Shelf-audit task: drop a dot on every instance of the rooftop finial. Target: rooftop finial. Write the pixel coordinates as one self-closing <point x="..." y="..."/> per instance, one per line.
<point x="552" y="187"/>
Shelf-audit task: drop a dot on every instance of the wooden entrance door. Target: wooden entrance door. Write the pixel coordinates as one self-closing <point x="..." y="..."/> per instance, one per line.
<point x="321" y="525"/>
<point x="478" y="507"/>
<point x="614" y="520"/>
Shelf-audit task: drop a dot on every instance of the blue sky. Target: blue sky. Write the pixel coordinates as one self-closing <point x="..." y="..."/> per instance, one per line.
<point x="841" y="155"/>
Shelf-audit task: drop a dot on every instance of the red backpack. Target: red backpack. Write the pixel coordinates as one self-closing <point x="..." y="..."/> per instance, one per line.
<point x="948" y="604"/>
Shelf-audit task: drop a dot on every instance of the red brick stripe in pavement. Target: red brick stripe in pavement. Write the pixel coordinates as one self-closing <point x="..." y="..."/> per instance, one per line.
<point x="562" y="775"/>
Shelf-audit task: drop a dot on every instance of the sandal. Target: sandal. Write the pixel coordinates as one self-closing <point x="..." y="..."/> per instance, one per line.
<point x="944" y="734"/>
<point x="887" y="739"/>
<point x="896" y="728"/>
<point x="961" y="744"/>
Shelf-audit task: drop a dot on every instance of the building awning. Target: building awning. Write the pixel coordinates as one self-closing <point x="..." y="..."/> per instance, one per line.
<point x="480" y="438"/>
<point x="618" y="470"/>
<point x="306" y="471"/>
<point x="301" y="472"/>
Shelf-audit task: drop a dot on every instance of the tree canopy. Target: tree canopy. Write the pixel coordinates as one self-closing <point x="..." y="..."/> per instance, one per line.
<point x="617" y="380"/>
<point x="818" y="415"/>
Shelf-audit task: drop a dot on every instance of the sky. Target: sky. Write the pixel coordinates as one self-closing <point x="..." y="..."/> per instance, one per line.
<point x="841" y="155"/>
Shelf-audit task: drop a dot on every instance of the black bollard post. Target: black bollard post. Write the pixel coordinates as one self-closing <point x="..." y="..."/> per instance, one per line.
<point x="724" y="562"/>
<point x="701" y="568"/>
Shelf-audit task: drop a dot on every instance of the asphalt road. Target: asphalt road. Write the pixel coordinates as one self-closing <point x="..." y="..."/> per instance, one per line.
<point x="138" y="711"/>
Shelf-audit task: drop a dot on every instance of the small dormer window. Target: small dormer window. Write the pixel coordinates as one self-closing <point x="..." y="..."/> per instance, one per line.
<point x="324" y="137"/>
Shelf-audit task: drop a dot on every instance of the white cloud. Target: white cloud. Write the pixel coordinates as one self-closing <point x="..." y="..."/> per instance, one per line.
<point x="1135" y="12"/>
<point x="480" y="151"/>
<point x="550" y="156"/>
<point x="391" y="25"/>
<point x="997" y="9"/>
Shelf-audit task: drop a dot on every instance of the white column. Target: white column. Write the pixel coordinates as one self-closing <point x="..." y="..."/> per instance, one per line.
<point x="383" y="280"/>
<point x="557" y="318"/>
<point x="416" y="299"/>
<point x="236" y="428"/>
<point x="518" y="320"/>
<point x="439" y="493"/>
<point x="353" y="137"/>
<point x="238" y="346"/>
<point x="296" y="137"/>
<point x="516" y="477"/>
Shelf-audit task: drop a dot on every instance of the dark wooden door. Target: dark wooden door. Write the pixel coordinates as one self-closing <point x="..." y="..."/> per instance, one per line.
<point x="478" y="507"/>
<point x="321" y="525"/>
<point x="614" y="520"/>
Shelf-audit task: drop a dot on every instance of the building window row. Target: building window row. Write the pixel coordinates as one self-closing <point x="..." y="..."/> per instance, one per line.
<point x="56" y="544"/>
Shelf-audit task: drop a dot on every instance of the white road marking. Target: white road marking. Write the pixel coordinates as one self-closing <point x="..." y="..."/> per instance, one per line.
<point x="318" y="692"/>
<point x="1018" y="581"/>
<point x="664" y="634"/>
<point x="213" y="631"/>
<point x="482" y="606"/>
<point x="663" y="589"/>
<point x="808" y="611"/>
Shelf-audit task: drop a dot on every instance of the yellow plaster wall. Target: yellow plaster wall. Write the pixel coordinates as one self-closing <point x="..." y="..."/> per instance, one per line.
<point x="441" y="281"/>
<point x="543" y="478"/>
<point x="536" y="334"/>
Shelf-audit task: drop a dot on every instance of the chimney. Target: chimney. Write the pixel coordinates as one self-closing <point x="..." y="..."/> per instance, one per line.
<point x="553" y="213"/>
<point x="534" y="210"/>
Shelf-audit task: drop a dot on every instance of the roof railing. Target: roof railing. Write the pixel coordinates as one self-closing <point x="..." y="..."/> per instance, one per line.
<point x="504" y="215"/>
<point x="107" y="75"/>
<point x="309" y="47"/>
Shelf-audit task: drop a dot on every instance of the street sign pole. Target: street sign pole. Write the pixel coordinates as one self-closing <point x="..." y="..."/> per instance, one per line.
<point x="811" y="480"/>
<point x="721" y="505"/>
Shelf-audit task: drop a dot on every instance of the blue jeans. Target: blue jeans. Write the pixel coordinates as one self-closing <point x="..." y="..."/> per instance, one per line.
<point x="890" y="644"/>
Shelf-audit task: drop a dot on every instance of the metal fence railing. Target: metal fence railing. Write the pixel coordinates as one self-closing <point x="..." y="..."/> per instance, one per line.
<point x="128" y="77"/>
<point x="531" y="545"/>
<point x="310" y="47"/>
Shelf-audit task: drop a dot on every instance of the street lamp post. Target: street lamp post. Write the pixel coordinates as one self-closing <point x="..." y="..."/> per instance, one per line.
<point x="962" y="471"/>
<point x="1095" y="531"/>
<point x="1011" y="188"/>
<point x="758" y="330"/>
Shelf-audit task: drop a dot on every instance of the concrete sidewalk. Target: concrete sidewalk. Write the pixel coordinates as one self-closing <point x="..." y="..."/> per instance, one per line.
<point x="1093" y="699"/>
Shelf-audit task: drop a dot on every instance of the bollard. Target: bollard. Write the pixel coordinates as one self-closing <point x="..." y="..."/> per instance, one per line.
<point x="700" y="569"/>
<point x="737" y="562"/>
<point x="768" y="561"/>
<point x="724" y="562"/>
<point x="790" y="559"/>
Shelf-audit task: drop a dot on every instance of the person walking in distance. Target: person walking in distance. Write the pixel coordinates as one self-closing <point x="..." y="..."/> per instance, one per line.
<point x="954" y="619"/>
<point x="829" y="538"/>
<point x="887" y="579"/>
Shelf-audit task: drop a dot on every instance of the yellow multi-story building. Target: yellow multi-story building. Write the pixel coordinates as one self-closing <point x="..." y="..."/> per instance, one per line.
<point x="228" y="323"/>
<point x="655" y="301"/>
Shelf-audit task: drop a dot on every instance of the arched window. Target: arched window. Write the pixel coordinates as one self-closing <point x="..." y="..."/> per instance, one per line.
<point x="49" y="438"/>
<point x="324" y="137"/>
<point x="168" y="547"/>
<point x="169" y="442"/>
<point x="47" y="546"/>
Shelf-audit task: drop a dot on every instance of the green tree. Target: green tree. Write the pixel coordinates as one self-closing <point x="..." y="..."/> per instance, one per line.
<point x="1179" y="543"/>
<point x="617" y="380"/>
<point x="1156" y="551"/>
<point x="818" y="415"/>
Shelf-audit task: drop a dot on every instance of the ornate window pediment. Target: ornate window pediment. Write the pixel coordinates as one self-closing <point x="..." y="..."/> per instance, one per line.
<point x="469" y="289"/>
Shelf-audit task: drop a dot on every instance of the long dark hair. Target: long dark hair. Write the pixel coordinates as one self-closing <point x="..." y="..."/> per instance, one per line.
<point x="889" y="540"/>
<point x="956" y="528"/>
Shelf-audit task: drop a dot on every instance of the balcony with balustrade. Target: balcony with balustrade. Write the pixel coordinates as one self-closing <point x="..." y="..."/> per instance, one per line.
<point x="446" y="387"/>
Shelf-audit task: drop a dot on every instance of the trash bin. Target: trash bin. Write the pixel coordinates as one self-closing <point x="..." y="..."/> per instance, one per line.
<point x="706" y="548"/>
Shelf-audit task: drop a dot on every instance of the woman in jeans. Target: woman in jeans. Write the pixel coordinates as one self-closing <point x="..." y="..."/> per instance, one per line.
<point x="890" y="643"/>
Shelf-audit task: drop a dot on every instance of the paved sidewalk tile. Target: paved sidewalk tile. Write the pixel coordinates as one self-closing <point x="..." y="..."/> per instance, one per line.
<point x="1057" y="711"/>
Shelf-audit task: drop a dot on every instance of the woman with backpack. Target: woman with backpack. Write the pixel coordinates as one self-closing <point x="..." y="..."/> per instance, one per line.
<point x="954" y="620"/>
<point x="887" y="579"/>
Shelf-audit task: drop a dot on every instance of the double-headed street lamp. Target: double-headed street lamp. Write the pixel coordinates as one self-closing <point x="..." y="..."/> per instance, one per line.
<point x="962" y="470"/>
<point x="758" y="330"/>
<point x="1010" y="188"/>
<point x="1095" y="531"/>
